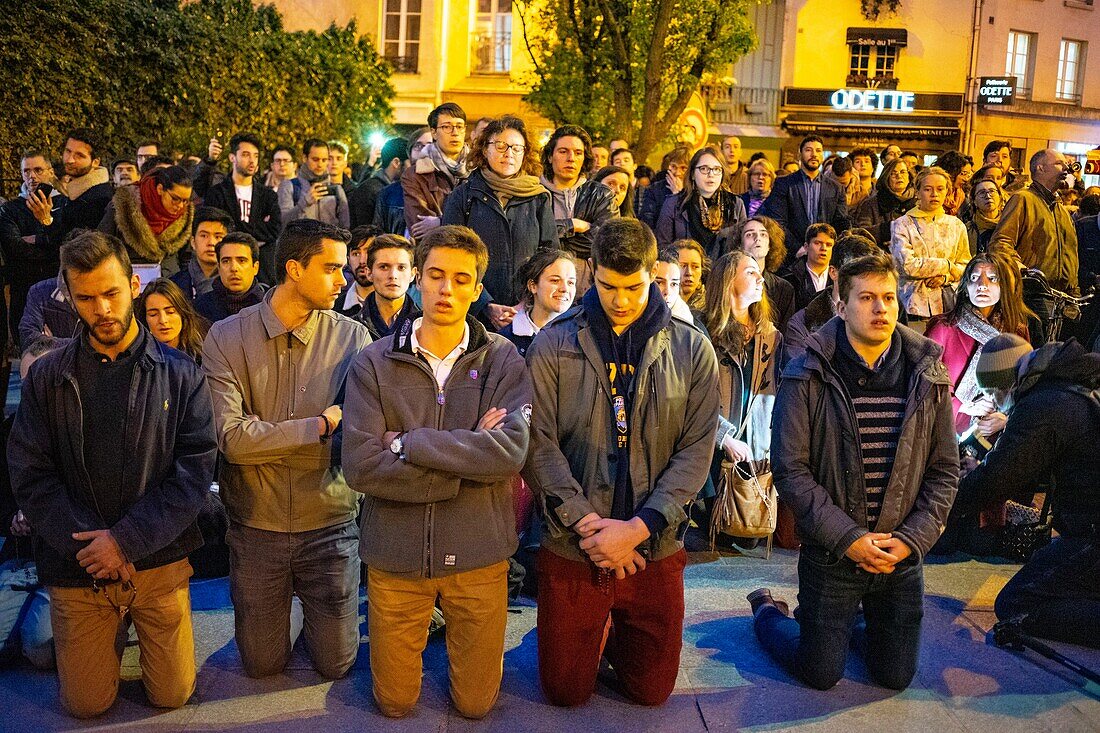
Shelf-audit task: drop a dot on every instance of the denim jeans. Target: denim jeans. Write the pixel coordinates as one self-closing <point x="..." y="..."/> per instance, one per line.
<point x="1059" y="590"/>
<point x="267" y="569"/>
<point x="25" y="615"/>
<point x="830" y="590"/>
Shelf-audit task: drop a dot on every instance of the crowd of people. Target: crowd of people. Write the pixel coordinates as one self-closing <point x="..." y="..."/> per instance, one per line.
<point x="473" y="368"/>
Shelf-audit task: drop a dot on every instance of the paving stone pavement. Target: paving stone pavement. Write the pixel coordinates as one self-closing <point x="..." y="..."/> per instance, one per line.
<point x="725" y="682"/>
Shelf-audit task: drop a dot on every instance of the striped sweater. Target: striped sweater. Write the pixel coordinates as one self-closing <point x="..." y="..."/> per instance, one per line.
<point x="878" y="397"/>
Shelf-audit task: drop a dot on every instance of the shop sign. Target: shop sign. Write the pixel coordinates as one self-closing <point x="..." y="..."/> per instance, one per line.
<point x="872" y="100"/>
<point x="997" y="91"/>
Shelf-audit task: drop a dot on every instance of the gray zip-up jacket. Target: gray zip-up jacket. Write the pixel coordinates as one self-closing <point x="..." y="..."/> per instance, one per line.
<point x="675" y="410"/>
<point x="816" y="461"/>
<point x="445" y="506"/>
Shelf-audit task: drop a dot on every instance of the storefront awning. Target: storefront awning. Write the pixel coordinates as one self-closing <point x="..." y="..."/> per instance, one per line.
<point x="894" y="128"/>
<point x="878" y="36"/>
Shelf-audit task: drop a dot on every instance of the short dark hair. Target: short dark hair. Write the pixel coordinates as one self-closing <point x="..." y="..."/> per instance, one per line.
<point x="389" y="241"/>
<point x="879" y="263"/>
<point x="204" y="214"/>
<point x="624" y="246"/>
<point x="87" y="136"/>
<point x="244" y="137"/>
<point x="153" y="162"/>
<point x="618" y="151"/>
<point x="148" y="143"/>
<point x="679" y="154"/>
<point x="867" y="152"/>
<point x="173" y="175"/>
<point x="841" y="166"/>
<point x="301" y="240"/>
<point x="114" y="163"/>
<point x="339" y="145"/>
<point x="820" y="228"/>
<point x="239" y="238"/>
<point x="994" y="146"/>
<point x="311" y="143"/>
<point x="671" y="255"/>
<point x="850" y="247"/>
<point x="810" y="139"/>
<point x="453" y="236"/>
<point x="362" y="234"/>
<point x="395" y="147"/>
<point x="1089" y="205"/>
<point x="285" y="148"/>
<point x="447" y="108"/>
<point x="568" y="131"/>
<point x="953" y="162"/>
<point x="87" y="249"/>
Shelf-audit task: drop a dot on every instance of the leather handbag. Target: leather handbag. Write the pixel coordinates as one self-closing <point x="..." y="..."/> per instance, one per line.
<point x="745" y="503"/>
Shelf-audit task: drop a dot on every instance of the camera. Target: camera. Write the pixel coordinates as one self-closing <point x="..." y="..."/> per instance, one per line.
<point x="1073" y="167"/>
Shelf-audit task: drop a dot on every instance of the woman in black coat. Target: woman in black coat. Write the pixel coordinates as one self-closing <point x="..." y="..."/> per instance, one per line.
<point x="504" y="203"/>
<point x="704" y="210"/>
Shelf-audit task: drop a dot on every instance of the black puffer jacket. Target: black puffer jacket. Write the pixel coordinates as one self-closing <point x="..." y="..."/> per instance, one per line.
<point x="816" y="460"/>
<point x="511" y="233"/>
<point x="1053" y="430"/>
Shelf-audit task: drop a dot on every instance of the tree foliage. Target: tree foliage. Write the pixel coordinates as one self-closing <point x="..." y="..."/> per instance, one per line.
<point x="627" y="68"/>
<point x="181" y="72"/>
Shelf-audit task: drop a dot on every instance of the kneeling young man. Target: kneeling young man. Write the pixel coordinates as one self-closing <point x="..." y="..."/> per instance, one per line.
<point x="436" y="427"/>
<point x="864" y="452"/>
<point x="622" y="436"/>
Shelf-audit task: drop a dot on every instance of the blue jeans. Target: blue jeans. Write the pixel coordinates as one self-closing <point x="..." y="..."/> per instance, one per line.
<point x="267" y="569"/>
<point x="1059" y="590"/>
<point x="25" y="614"/>
<point x="814" y="647"/>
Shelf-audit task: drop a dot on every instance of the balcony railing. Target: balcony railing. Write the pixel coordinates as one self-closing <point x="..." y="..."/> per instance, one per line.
<point x="404" y="64"/>
<point x="742" y="105"/>
<point x="491" y="53"/>
<point x="863" y="81"/>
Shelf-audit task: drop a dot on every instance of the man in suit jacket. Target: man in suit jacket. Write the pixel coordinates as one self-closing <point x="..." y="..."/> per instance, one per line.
<point x="806" y="197"/>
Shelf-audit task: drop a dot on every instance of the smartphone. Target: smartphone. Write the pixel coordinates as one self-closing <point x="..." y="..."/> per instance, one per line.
<point x="46" y="189"/>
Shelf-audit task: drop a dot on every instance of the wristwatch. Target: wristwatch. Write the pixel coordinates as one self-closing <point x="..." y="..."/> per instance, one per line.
<point x="397" y="445"/>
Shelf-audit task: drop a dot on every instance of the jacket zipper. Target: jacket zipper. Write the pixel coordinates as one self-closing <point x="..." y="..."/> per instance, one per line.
<point x="84" y="466"/>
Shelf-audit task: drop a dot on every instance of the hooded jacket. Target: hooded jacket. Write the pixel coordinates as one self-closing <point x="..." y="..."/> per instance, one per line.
<point x="168" y="462"/>
<point x="296" y="201"/>
<point x="672" y="428"/>
<point x="512" y="232"/>
<point x="123" y="219"/>
<point x="1053" y="430"/>
<point x="816" y="460"/>
<point x="445" y="505"/>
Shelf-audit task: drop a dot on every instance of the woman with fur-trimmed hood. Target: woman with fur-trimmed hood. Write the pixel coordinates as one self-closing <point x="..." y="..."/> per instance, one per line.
<point x="153" y="218"/>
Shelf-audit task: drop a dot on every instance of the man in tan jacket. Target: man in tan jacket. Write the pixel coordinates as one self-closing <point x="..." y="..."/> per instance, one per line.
<point x="276" y="372"/>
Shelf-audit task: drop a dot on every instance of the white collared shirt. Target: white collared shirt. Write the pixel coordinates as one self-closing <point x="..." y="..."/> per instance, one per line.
<point x="352" y="298"/>
<point x="820" y="281"/>
<point x="441" y="367"/>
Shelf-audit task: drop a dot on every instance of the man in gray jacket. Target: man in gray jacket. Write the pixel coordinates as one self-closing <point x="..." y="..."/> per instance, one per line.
<point x="437" y="427"/>
<point x="276" y="372"/>
<point x="312" y="195"/>
<point x="622" y="438"/>
<point x="864" y="453"/>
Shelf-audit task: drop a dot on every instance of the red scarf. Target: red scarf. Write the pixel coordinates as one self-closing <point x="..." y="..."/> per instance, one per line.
<point x="152" y="209"/>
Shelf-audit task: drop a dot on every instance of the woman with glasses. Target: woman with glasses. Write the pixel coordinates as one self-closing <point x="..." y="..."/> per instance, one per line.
<point x="704" y="208"/>
<point x="986" y="203"/>
<point x="153" y="218"/>
<point x="761" y="178"/>
<point x="506" y="205"/>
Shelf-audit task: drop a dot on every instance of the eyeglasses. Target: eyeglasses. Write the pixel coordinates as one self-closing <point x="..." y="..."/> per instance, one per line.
<point x="417" y="146"/>
<point x="181" y="200"/>
<point x="502" y="147"/>
<point x="709" y="170"/>
<point x="450" y="127"/>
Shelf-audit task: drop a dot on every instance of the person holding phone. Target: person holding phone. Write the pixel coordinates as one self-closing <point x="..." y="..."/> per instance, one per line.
<point x="311" y="194"/>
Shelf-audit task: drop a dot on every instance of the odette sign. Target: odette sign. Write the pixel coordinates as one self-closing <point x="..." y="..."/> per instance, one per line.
<point x="997" y="91"/>
<point x="872" y="100"/>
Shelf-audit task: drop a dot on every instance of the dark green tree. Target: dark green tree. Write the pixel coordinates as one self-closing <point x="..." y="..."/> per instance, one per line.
<point x="627" y="68"/>
<point x="182" y="72"/>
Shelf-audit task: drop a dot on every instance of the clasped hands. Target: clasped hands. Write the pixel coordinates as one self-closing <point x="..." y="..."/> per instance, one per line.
<point x="612" y="543"/>
<point x="878" y="552"/>
<point x="102" y="558"/>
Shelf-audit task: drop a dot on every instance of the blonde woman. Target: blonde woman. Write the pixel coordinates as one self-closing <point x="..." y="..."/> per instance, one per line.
<point x="931" y="248"/>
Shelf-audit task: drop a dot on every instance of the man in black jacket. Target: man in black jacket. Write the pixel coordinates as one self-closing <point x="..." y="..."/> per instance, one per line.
<point x="668" y="182"/>
<point x="1052" y="431"/>
<point x="810" y="273"/>
<point x="208" y="228"/>
<point x="254" y="208"/>
<point x="864" y="453"/>
<point x="806" y="197"/>
<point x="236" y="286"/>
<point x="113" y="493"/>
